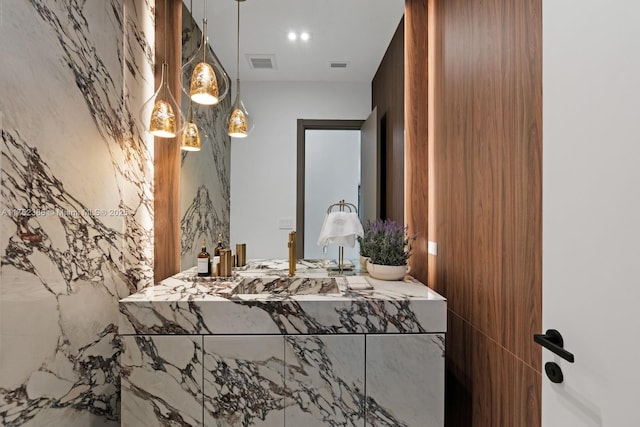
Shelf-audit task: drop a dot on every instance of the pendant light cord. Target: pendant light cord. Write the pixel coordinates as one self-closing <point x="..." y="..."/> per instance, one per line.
<point x="238" y="45"/>
<point x="164" y="42"/>
<point x="193" y="21"/>
<point x="165" y="30"/>
<point x="204" y="35"/>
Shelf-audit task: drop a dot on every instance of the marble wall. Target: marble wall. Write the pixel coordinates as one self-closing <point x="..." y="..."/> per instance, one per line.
<point x="205" y="175"/>
<point x="76" y="223"/>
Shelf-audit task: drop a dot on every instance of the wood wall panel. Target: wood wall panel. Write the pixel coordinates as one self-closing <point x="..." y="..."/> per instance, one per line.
<point x="483" y="207"/>
<point x="167" y="151"/>
<point x="417" y="185"/>
<point x="487" y="386"/>
<point x="387" y="94"/>
<point x="489" y="158"/>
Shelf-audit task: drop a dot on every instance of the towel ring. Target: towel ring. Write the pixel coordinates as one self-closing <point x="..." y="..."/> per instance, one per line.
<point x="342" y="204"/>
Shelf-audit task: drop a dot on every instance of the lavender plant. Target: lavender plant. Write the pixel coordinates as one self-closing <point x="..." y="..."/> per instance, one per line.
<point x="386" y="242"/>
<point x="366" y="241"/>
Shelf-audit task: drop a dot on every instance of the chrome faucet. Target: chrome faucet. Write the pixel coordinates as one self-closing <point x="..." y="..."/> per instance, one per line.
<point x="292" y="253"/>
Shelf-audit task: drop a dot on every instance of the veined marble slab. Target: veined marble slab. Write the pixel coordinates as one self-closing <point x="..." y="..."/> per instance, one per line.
<point x="76" y="205"/>
<point x="187" y="304"/>
<point x="405" y="391"/>
<point x="272" y="381"/>
<point x="244" y="381"/>
<point x="345" y="358"/>
<point x="161" y="381"/>
<point x="325" y="380"/>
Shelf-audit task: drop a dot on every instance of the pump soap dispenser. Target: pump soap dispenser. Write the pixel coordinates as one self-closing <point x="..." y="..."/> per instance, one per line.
<point x="204" y="267"/>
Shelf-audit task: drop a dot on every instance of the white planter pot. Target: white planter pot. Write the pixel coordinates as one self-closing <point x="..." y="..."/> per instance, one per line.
<point x="387" y="272"/>
<point x="363" y="263"/>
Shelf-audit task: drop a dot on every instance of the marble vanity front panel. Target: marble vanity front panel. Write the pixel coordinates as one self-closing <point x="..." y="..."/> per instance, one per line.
<point x="161" y="381"/>
<point x="244" y="381"/>
<point x="272" y="380"/>
<point x="405" y="391"/>
<point x="325" y="380"/>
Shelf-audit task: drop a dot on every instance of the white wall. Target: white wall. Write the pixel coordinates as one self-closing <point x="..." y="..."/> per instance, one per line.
<point x="263" y="166"/>
<point x="332" y="173"/>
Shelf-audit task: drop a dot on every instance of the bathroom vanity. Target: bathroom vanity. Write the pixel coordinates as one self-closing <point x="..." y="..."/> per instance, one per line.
<point x="263" y="349"/>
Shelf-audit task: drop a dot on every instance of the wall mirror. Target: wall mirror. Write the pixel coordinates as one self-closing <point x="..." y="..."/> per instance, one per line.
<point x="327" y="77"/>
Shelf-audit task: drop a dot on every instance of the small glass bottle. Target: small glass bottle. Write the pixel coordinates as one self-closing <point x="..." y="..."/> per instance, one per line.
<point x="217" y="249"/>
<point x="204" y="267"/>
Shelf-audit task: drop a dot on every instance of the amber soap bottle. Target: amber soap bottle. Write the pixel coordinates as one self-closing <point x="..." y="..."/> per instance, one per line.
<point x="204" y="267"/>
<point x="217" y="249"/>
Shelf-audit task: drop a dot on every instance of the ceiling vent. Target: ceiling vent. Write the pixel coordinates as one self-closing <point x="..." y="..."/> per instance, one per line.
<point x="262" y="62"/>
<point x="338" y="64"/>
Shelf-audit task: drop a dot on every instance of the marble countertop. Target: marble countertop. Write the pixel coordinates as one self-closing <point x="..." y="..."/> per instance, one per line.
<point x="187" y="304"/>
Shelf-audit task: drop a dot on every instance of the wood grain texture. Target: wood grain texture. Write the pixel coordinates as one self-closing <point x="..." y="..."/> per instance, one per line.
<point x="387" y="94"/>
<point x="417" y="185"/>
<point x="487" y="385"/>
<point x="167" y="151"/>
<point x="483" y="124"/>
<point x="488" y="168"/>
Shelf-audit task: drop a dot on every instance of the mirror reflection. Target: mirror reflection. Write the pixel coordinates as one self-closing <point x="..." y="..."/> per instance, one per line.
<point x="245" y="189"/>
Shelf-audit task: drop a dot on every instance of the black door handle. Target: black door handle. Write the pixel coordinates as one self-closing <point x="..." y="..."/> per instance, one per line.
<point x="552" y="340"/>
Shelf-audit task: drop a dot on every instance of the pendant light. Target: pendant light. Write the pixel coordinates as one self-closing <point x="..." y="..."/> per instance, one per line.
<point x="208" y="82"/>
<point x="190" y="134"/>
<point x="240" y="122"/>
<point x="162" y="110"/>
<point x="190" y="140"/>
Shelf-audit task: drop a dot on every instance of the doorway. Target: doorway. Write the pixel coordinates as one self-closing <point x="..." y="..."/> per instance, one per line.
<point x="332" y="173"/>
<point x="302" y="178"/>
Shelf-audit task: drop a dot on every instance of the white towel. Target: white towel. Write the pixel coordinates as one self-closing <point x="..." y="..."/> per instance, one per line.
<point x="340" y="228"/>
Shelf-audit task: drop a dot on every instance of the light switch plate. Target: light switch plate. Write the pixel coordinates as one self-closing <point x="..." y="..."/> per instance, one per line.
<point x="285" y="223"/>
<point x="432" y="248"/>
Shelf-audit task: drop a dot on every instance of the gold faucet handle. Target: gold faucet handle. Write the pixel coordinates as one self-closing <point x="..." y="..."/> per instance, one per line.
<point x="292" y="254"/>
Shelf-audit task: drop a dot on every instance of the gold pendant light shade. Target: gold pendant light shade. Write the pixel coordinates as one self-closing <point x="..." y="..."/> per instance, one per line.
<point x="239" y="120"/>
<point x="190" y="137"/>
<point x="238" y="124"/>
<point x="204" y="80"/>
<point x="163" y="120"/>
<point x="204" y="85"/>
<point x="161" y="111"/>
<point x="190" y="140"/>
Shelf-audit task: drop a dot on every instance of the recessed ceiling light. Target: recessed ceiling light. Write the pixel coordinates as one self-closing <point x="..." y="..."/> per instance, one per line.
<point x="292" y="36"/>
<point x="304" y="36"/>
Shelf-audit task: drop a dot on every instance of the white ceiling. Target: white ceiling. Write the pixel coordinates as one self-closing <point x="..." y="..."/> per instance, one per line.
<point x="353" y="31"/>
